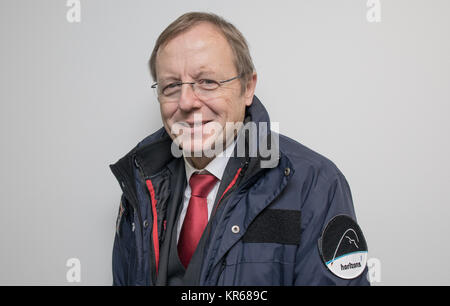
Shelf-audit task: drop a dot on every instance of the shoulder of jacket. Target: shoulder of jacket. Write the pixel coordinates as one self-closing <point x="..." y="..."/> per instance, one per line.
<point x="307" y="161"/>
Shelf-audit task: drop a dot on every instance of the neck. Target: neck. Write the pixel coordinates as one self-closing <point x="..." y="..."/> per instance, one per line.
<point x="200" y="162"/>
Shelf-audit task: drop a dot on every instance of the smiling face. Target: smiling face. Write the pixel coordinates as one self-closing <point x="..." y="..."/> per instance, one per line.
<point x="201" y="53"/>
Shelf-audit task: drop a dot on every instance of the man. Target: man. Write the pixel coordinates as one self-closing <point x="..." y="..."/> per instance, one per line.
<point x="217" y="198"/>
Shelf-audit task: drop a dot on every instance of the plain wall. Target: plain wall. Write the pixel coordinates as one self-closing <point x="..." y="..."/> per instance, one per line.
<point x="75" y="97"/>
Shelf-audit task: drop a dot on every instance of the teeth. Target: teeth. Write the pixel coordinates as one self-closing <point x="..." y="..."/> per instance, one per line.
<point x="200" y="123"/>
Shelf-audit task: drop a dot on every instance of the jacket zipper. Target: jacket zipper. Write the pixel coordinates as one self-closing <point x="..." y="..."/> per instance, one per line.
<point x="154" y="242"/>
<point x="231" y="187"/>
<point x="154" y="235"/>
<point x="228" y="191"/>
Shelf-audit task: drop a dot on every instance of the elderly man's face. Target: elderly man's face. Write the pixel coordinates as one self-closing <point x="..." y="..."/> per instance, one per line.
<point x="198" y="54"/>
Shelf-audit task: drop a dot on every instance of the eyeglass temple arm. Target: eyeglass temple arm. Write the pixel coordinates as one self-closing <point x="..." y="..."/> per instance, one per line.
<point x="181" y="83"/>
<point x="229" y="80"/>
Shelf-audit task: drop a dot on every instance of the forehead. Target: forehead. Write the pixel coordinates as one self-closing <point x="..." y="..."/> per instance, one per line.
<point x="202" y="47"/>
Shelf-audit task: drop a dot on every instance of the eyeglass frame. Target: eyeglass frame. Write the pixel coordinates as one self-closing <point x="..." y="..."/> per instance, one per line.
<point x="220" y="83"/>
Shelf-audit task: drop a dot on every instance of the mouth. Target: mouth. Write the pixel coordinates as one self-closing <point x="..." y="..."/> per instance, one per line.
<point x="195" y="129"/>
<point x="197" y="124"/>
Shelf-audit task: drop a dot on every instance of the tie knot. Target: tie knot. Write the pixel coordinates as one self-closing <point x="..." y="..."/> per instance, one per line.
<point x="201" y="184"/>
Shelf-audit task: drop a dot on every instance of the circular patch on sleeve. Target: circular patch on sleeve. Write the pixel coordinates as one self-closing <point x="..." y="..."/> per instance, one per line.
<point x="343" y="247"/>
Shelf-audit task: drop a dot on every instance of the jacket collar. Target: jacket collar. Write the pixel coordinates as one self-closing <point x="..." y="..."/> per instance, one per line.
<point x="154" y="152"/>
<point x="215" y="167"/>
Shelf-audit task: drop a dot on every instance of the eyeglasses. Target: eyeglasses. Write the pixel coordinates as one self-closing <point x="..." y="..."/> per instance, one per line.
<point x="203" y="89"/>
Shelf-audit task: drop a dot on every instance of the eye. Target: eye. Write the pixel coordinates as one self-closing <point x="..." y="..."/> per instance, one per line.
<point x="208" y="84"/>
<point x="172" y="85"/>
<point x="171" y="88"/>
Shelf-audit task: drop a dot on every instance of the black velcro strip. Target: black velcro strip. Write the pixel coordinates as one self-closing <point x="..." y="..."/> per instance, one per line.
<point x="276" y="226"/>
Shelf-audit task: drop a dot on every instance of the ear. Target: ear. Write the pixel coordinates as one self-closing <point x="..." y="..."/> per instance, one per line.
<point x="250" y="89"/>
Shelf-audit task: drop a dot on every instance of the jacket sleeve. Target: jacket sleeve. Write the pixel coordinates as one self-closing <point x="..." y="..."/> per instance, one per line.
<point x="327" y="198"/>
<point x="122" y="239"/>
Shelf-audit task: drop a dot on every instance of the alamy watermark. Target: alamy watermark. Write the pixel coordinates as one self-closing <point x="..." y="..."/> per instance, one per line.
<point x="374" y="270"/>
<point x="373" y="14"/>
<point x="73" y="14"/>
<point x="207" y="139"/>
<point x="73" y="274"/>
<point x="374" y="11"/>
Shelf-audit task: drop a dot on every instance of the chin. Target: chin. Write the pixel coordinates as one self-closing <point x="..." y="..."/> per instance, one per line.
<point x="199" y="148"/>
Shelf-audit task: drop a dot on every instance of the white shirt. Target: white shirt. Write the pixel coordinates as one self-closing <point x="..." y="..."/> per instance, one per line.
<point x="215" y="167"/>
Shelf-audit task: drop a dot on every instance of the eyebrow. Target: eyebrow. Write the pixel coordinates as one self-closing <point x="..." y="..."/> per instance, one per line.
<point x="195" y="76"/>
<point x="204" y="73"/>
<point x="168" y="79"/>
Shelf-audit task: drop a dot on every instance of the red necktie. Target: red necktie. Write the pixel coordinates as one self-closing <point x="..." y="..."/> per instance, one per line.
<point x="196" y="216"/>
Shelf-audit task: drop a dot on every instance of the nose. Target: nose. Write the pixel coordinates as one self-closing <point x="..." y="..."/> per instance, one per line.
<point x="188" y="99"/>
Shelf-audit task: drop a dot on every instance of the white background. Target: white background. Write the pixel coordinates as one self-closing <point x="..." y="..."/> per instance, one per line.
<point x="75" y="97"/>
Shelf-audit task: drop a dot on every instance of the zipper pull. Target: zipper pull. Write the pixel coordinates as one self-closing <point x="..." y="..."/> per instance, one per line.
<point x="244" y="168"/>
<point x="136" y="162"/>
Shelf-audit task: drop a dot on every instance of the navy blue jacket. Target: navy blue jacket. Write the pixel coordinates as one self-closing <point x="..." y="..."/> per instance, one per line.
<point x="265" y="226"/>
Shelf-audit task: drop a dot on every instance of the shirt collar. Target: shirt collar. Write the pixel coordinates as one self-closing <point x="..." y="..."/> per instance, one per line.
<point x="216" y="166"/>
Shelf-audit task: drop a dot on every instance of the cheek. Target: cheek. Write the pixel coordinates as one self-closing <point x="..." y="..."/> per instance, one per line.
<point x="167" y="113"/>
<point x="167" y="110"/>
<point x="236" y="111"/>
<point x="225" y="109"/>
